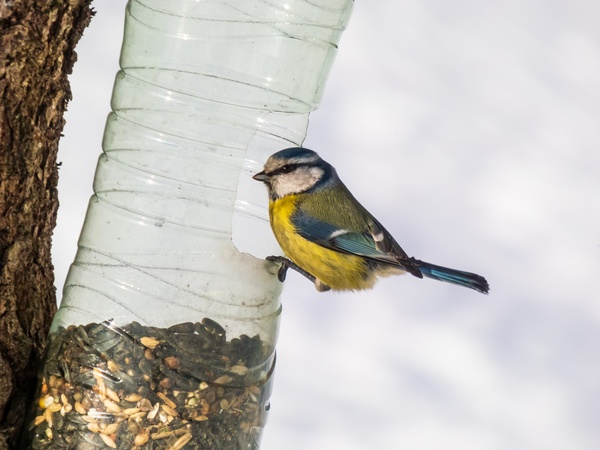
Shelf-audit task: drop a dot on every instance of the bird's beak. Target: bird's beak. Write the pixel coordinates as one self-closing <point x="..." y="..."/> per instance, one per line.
<point x="261" y="176"/>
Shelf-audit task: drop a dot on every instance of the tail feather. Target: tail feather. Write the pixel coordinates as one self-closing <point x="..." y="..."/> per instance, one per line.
<point x="466" y="279"/>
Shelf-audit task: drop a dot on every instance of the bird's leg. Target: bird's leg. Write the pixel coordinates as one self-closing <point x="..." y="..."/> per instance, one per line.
<point x="287" y="264"/>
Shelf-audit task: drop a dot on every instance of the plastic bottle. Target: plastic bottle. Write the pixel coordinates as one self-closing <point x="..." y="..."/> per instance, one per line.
<point x="165" y="337"/>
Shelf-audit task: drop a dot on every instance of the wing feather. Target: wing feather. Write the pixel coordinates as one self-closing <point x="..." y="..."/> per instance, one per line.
<point x="376" y="244"/>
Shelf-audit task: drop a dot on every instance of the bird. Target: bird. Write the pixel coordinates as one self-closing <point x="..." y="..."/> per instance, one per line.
<point x="328" y="236"/>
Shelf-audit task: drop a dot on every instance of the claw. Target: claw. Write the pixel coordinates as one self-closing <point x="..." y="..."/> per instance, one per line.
<point x="282" y="272"/>
<point x="287" y="264"/>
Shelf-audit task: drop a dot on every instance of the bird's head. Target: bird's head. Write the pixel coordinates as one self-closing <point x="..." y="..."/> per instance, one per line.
<point x="294" y="171"/>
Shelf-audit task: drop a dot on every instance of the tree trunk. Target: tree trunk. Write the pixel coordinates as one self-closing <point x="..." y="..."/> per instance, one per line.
<point x="37" y="41"/>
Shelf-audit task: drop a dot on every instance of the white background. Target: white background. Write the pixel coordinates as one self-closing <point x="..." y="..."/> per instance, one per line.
<point x="472" y="131"/>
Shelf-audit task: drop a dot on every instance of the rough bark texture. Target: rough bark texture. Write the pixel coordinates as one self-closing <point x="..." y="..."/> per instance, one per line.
<point x="37" y="41"/>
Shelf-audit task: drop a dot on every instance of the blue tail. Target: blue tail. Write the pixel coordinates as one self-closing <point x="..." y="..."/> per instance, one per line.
<point x="466" y="279"/>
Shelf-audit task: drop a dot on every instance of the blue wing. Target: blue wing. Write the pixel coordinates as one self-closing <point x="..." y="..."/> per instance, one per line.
<point x="375" y="243"/>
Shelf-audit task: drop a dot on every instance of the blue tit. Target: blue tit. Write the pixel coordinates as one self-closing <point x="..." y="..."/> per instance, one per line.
<point x="329" y="236"/>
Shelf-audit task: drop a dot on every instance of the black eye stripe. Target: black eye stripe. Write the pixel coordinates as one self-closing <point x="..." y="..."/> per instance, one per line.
<point x="287" y="168"/>
<point x="290" y="167"/>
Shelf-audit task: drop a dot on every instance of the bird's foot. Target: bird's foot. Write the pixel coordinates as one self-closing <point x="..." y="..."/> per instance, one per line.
<point x="283" y="268"/>
<point x="287" y="264"/>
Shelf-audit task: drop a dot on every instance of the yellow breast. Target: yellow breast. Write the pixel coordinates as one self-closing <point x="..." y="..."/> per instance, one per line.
<point x="339" y="271"/>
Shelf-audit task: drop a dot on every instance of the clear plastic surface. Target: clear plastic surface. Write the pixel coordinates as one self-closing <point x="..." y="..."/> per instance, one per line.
<point x="165" y="336"/>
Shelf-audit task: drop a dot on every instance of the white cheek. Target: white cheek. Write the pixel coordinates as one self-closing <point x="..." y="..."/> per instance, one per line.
<point x="316" y="174"/>
<point x="289" y="185"/>
<point x="296" y="182"/>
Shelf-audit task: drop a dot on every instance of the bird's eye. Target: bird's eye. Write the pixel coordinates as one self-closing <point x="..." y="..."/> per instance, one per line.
<point x="287" y="168"/>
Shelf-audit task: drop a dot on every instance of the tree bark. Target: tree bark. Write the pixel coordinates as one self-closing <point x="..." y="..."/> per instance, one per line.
<point x="37" y="41"/>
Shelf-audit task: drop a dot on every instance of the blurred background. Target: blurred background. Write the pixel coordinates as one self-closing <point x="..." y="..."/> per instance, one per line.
<point x="471" y="131"/>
